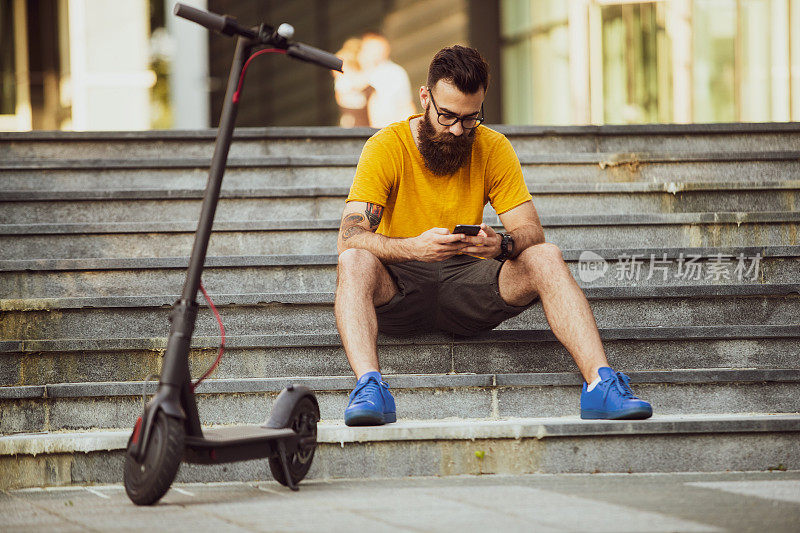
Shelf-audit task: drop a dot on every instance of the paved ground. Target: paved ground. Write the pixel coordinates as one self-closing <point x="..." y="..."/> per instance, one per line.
<point x="765" y="501"/>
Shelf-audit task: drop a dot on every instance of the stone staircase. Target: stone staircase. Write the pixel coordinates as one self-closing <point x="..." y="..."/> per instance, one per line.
<point x="693" y="275"/>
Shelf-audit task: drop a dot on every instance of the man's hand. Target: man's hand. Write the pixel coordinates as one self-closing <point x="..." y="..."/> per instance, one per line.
<point x="438" y="244"/>
<point x="485" y="244"/>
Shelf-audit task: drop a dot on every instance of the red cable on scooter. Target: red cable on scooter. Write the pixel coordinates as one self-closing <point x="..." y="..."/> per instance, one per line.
<point x="222" y="332"/>
<point x="247" y="63"/>
<point x="203" y="289"/>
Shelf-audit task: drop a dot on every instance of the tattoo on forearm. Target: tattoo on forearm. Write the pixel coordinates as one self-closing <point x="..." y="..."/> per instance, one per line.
<point x="351" y="225"/>
<point x="352" y="230"/>
<point x="374" y="213"/>
<point x="354" y="218"/>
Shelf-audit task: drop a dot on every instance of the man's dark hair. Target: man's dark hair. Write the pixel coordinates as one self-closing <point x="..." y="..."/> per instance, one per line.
<point x="462" y="66"/>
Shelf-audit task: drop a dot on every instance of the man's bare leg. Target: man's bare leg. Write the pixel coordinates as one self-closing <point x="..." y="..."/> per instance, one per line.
<point x="541" y="270"/>
<point x="362" y="284"/>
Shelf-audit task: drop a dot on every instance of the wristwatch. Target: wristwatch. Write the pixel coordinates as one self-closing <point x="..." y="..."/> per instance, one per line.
<point x="506" y="247"/>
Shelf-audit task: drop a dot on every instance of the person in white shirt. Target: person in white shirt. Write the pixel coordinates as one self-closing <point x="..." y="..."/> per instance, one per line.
<point x="390" y="99"/>
<point x="350" y="87"/>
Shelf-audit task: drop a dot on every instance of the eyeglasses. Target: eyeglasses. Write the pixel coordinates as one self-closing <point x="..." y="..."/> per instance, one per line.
<point x="448" y="119"/>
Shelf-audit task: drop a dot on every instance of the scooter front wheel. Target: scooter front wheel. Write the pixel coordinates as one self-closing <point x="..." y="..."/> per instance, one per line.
<point x="303" y="420"/>
<point x="148" y="481"/>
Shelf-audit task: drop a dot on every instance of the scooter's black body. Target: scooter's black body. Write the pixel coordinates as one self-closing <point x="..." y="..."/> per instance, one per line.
<point x="169" y="430"/>
<point x="242" y="443"/>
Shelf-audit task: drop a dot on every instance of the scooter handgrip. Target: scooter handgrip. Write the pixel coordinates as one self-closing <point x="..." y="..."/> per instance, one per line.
<point x="314" y="55"/>
<point x="212" y="21"/>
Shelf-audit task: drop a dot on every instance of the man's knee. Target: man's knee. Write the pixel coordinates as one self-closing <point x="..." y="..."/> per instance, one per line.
<point x="544" y="257"/>
<point x="358" y="263"/>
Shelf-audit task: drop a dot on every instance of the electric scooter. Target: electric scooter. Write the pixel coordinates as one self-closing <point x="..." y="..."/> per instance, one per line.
<point x="169" y="431"/>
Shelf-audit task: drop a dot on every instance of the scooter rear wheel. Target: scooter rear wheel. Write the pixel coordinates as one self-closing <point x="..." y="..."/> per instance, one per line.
<point x="303" y="420"/>
<point x="148" y="481"/>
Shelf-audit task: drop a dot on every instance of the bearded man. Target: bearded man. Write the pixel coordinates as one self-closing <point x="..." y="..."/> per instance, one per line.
<point x="401" y="271"/>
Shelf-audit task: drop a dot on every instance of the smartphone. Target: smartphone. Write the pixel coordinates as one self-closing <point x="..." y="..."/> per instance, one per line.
<point x="467" y="229"/>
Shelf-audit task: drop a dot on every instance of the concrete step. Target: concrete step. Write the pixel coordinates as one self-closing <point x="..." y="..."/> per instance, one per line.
<point x="251" y="173"/>
<point x="325" y="140"/>
<point x="258" y="237"/>
<point x="29" y="279"/>
<point x="153" y="205"/>
<point x="76" y="406"/>
<point x="337" y="170"/>
<point x="674" y="443"/>
<point x="696" y="344"/>
<point x="42" y="361"/>
<point x="298" y="313"/>
<point x="168" y="144"/>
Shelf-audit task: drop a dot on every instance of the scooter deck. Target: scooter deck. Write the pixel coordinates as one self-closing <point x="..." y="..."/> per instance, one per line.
<point x="237" y="443"/>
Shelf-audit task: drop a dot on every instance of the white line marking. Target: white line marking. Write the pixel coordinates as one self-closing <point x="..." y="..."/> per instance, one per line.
<point x="186" y="492"/>
<point x="98" y="493"/>
<point x="262" y="488"/>
<point x="787" y="490"/>
<point x="214" y="484"/>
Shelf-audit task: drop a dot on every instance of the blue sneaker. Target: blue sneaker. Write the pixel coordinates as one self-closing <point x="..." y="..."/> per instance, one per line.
<point x="613" y="399"/>
<point x="371" y="403"/>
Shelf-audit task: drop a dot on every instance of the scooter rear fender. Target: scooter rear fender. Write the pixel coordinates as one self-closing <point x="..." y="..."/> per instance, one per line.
<point x="287" y="399"/>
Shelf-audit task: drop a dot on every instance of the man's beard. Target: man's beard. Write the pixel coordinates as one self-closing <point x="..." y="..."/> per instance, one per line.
<point x="443" y="153"/>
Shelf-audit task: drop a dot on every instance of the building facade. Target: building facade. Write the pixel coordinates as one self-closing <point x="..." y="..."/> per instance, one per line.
<point x="618" y="62"/>
<point x="75" y="65"/>
<point x="129" y="65"/>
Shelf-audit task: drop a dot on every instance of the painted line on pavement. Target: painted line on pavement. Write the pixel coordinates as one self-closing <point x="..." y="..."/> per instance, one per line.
<point x="98" y="493"/>
<point x="271" y="491"/>
<point x="787" y="490"/>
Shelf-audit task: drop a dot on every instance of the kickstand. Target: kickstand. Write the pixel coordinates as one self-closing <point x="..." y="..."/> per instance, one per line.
<point x="285" y="462"/>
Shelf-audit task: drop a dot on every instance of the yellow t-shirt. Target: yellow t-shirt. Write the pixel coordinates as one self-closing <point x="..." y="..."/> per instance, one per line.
<point x="391" y="173"/>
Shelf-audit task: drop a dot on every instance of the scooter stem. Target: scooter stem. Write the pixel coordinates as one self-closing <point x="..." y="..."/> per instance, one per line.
<point x="176" y="359"/>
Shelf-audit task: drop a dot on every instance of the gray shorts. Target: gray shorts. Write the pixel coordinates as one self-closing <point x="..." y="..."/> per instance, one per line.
<point x="460" y="295"/>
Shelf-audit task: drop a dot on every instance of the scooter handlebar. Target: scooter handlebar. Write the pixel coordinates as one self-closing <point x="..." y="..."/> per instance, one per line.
<point x="319" y="57"/>
<point x="211" y="21"/>
<point x="219" y="23"/>
<point x="229" y="26"/>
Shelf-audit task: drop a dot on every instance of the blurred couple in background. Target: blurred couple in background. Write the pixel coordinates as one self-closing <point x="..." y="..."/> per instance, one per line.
<point x="372" y="90"/>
